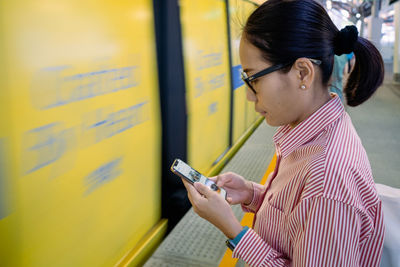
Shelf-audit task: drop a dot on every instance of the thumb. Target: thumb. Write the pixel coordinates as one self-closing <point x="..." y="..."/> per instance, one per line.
<point x="203" y="189"/>
<point x="214" y="178"/>
<point x="218" y="180"/>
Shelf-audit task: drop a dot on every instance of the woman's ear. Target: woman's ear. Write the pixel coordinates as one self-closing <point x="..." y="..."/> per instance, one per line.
<point x="305" y="72"/>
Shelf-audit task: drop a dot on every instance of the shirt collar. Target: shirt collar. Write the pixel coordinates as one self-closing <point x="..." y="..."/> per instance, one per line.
<point x="289" y="139"/>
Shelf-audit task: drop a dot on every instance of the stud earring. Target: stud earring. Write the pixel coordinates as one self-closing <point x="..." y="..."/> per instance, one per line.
<point x="303" y="87"/>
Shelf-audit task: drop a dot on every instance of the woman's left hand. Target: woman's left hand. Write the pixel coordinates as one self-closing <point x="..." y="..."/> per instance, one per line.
<point x="211" y="206"/>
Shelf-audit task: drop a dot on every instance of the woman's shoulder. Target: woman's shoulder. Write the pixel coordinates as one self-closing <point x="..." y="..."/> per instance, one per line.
<point x="342" y="173"/>
<point x="340" y="170"/>
<point x="349" y="179"/>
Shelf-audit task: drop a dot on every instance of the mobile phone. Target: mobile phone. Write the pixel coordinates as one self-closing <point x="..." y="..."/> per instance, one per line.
<point x="183" y="170"/>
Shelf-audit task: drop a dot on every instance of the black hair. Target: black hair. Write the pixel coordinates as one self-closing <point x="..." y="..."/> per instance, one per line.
<point x="285" y="30"/>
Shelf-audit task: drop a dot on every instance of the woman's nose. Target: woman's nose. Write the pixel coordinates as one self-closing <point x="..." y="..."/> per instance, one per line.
<point x="250" y="95"/>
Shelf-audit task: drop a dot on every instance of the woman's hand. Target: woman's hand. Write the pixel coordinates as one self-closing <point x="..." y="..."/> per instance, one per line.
<point x="238" y="189"/>
<point x="211" y="206"/>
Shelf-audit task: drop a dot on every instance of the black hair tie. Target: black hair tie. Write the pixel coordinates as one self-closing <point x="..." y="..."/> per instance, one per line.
<point x="345" y="40"/>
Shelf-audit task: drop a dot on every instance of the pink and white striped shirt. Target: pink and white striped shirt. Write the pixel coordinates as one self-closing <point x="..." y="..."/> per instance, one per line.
<point x="320" y="206"/>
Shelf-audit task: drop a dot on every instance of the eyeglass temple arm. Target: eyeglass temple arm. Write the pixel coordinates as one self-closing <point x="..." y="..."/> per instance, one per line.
<point x="268" y="70"/>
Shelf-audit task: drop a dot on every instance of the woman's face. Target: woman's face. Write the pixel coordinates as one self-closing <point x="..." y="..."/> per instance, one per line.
<point x="278" y="95"/>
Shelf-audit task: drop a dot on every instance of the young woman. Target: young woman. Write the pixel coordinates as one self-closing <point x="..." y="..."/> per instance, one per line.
<point x="320" y="206"/>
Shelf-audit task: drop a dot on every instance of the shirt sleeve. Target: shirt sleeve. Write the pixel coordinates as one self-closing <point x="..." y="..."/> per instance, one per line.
<point x="256" y="252"/>
<point x="329" y="235"/>
<point x="258" y="196"/>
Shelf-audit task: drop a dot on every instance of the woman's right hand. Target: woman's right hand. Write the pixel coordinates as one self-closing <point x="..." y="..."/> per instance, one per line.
<point x="238" y="189"/>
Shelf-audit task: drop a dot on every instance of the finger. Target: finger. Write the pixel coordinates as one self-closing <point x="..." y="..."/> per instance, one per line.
<point x="218" y="180"/>
<point x="214" y="178"/>
<point x="196" y="198"/>
<point x="190" y="189"/>
<point x="203" y="189"/>
<point x="186" y="184"/>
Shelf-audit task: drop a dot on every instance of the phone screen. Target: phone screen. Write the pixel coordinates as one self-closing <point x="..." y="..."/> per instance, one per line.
<point x="191" y="175"/>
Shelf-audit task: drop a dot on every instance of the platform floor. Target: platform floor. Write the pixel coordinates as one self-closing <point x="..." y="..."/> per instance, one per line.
<point x="195" y="242"/>
<point x="378" y="124"/>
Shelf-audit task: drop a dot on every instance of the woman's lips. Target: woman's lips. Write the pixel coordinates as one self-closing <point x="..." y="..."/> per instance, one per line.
<point x="263" y="113"/>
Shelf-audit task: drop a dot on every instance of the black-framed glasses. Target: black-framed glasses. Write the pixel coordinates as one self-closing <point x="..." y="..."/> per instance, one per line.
<point x="247" y="80"/>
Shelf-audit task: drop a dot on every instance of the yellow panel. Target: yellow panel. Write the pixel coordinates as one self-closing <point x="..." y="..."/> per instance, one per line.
<point x="8" y="236"/>
<point x="206" y="64"/>
<point x="243" y="112"/>
<point x="251" y="114"/>
<point x="83" y="130"/>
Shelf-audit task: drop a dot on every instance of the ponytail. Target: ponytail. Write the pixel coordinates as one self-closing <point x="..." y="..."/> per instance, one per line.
<point x="367" y="74"/>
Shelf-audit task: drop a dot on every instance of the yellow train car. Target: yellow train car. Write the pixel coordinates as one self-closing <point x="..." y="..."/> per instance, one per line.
<point x="81" y="132"/>
<point x="206" y="58"/>
<point x="96" y="99"/>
